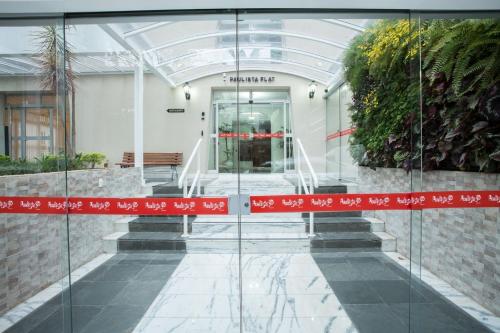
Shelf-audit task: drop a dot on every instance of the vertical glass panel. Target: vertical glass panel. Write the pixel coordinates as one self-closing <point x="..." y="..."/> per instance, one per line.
<point x="458" y="71"/>
<point x="34" y="274"/>
<point x="346" y="264"/>
<point x="142" y="97"/>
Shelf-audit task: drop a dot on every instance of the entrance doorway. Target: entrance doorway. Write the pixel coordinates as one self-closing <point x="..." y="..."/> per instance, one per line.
<point x="264" y="135"/>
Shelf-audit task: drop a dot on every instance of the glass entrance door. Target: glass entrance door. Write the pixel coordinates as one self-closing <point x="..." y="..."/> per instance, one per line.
<point x="263" y="130"/>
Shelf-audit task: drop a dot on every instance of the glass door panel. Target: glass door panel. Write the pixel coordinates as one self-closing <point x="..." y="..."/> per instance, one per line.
<point x="455" y="138"/>
<point x="144" y="96"/>
<point x="34" y="259"/>
<point x="261" y="137"/>
<point x="336" y="270"/>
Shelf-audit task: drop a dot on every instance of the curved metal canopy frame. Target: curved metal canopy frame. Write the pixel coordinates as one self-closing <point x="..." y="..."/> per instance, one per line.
<point x="246" y="32"/>
<point x="283" y="49"/>
<point x="228" y="61"/>
<point x="242" y="67"/>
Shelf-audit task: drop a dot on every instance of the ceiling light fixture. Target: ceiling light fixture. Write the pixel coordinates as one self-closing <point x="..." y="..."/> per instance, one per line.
<point x="187" y="91"/>
<point x="312" y="89"/>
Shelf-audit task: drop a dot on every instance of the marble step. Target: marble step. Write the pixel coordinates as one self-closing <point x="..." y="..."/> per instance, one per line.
<point x="334" y="214"/>
<point x="248" y="227"/>
<point x="277" y="217"/>
<point x="345" y="241"/>
<point x="251" y="190"/>
<point x="158" y="224"/>
<point x="336" y="224"/>
<point x="166" y="189"/>
<point x="152" y="241"/>
<point x="249" y="243"/>
<point x="328" y="189"/>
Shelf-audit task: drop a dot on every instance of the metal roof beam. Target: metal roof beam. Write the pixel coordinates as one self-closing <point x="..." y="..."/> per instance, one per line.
<point x="142" y="30"/>
<point x="345" y="24"/>
<point x="284" y="49"/>
<point x="247" y="32"/>
<point x="285" y="62"/>
<point x="136" y="52"/>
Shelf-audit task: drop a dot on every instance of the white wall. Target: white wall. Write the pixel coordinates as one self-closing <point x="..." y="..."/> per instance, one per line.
<point x="104" y="114"/>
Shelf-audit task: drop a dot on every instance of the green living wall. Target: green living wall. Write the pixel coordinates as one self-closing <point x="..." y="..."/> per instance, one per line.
<point x="460" y="84"/>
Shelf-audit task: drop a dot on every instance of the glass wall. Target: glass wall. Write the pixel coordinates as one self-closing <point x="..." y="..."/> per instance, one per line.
<point x="34" y="251"/>
<point x="456" y="144"/>
<point x="162" y="272"/>
<point x="340" y="163"/>
<point x="330" y="138"/>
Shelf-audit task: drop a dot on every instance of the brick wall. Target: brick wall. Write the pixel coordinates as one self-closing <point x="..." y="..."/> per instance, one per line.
<point x="33" y="248"/>
<point x="461" y="246"/>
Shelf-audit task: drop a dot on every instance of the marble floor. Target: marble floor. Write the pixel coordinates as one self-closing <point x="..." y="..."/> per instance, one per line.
<point x="302" y="292"/>
<point x="280" y="293"/>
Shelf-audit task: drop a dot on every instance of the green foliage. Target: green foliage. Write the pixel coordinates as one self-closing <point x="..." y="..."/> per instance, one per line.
<point x="4" y="159"/>
<point x="92" y="159"/>
<point x="460" y="124"/>
<point x="49" y="163"/>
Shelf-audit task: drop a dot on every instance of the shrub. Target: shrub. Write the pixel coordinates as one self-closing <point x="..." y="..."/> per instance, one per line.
<point x="93" y="159"/>
<point x="461" y="95"/>
<point x="49" y="163"/>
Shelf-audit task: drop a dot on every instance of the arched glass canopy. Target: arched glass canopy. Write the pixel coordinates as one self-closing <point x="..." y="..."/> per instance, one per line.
<point x="190" y="48"/>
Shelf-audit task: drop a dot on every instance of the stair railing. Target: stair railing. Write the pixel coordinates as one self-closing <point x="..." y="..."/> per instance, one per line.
<point x="313" y="180"/>
<point x="183" y="181"/>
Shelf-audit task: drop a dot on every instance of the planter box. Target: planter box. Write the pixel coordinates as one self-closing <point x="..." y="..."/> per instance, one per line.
<point x="33" y="248"/>
<point x="461" y="246"/>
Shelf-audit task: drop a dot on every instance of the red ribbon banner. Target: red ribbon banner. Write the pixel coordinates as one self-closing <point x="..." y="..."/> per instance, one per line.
<point x="259" y="203"/>
<point x="339" y="134"/>
<point x="245" y="135"/>
<point x="114" y="206"/>
<point x="376" y="201"/>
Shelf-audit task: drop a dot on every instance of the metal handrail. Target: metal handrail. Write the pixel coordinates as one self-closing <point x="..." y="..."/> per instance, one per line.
<point x="313" y="180"/>
<point x="188" y="164"/>
<point x="183" y="181"/>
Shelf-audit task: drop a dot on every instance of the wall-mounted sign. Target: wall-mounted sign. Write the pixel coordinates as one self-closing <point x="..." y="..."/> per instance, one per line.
<point x="252" y="79"/>
<point x="175" y="110"/>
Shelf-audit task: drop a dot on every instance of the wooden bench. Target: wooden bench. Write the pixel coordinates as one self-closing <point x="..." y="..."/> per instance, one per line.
<point x="154" y="159"/>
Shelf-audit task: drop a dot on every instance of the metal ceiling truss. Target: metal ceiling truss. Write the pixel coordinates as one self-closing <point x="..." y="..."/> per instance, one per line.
<point x="226" y="61"/>
<point x="283" y="49"/>
<point x="246" y="32"/>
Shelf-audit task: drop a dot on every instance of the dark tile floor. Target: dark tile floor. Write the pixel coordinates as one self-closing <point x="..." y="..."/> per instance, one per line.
<point x="110" y="299"/>
<point x="379" y="296"/>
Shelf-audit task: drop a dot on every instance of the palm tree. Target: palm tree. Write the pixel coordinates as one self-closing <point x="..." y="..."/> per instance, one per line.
<point x="52" y="48"/>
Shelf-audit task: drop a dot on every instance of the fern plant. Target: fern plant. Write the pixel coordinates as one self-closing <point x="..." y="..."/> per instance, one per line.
<point x="459" y="88"/>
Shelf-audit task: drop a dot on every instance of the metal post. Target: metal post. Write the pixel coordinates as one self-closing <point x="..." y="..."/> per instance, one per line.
<point x="139" y="117"/>
<point x="298" y="172"/>
<point x="185" y="217"/>
<point x="198" y="186"/>
<point x="311" y="214"/>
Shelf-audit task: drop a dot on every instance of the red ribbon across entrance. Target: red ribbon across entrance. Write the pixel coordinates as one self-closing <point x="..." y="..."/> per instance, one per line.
<point x="339" y="134"/>
<point x="376" y="201"/>
<point x="245" y="135"/>
<point x="114" y="206"/>
<point x="258" y="203"/>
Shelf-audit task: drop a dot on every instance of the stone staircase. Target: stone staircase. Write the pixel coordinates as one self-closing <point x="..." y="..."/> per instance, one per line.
<point x="260" y="233"/>
<point x="347" y="231"/>
<point x="156" y="233"/>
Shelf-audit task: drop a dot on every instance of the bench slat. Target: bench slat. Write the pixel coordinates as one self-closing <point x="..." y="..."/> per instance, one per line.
<point x="152" y="159"/>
